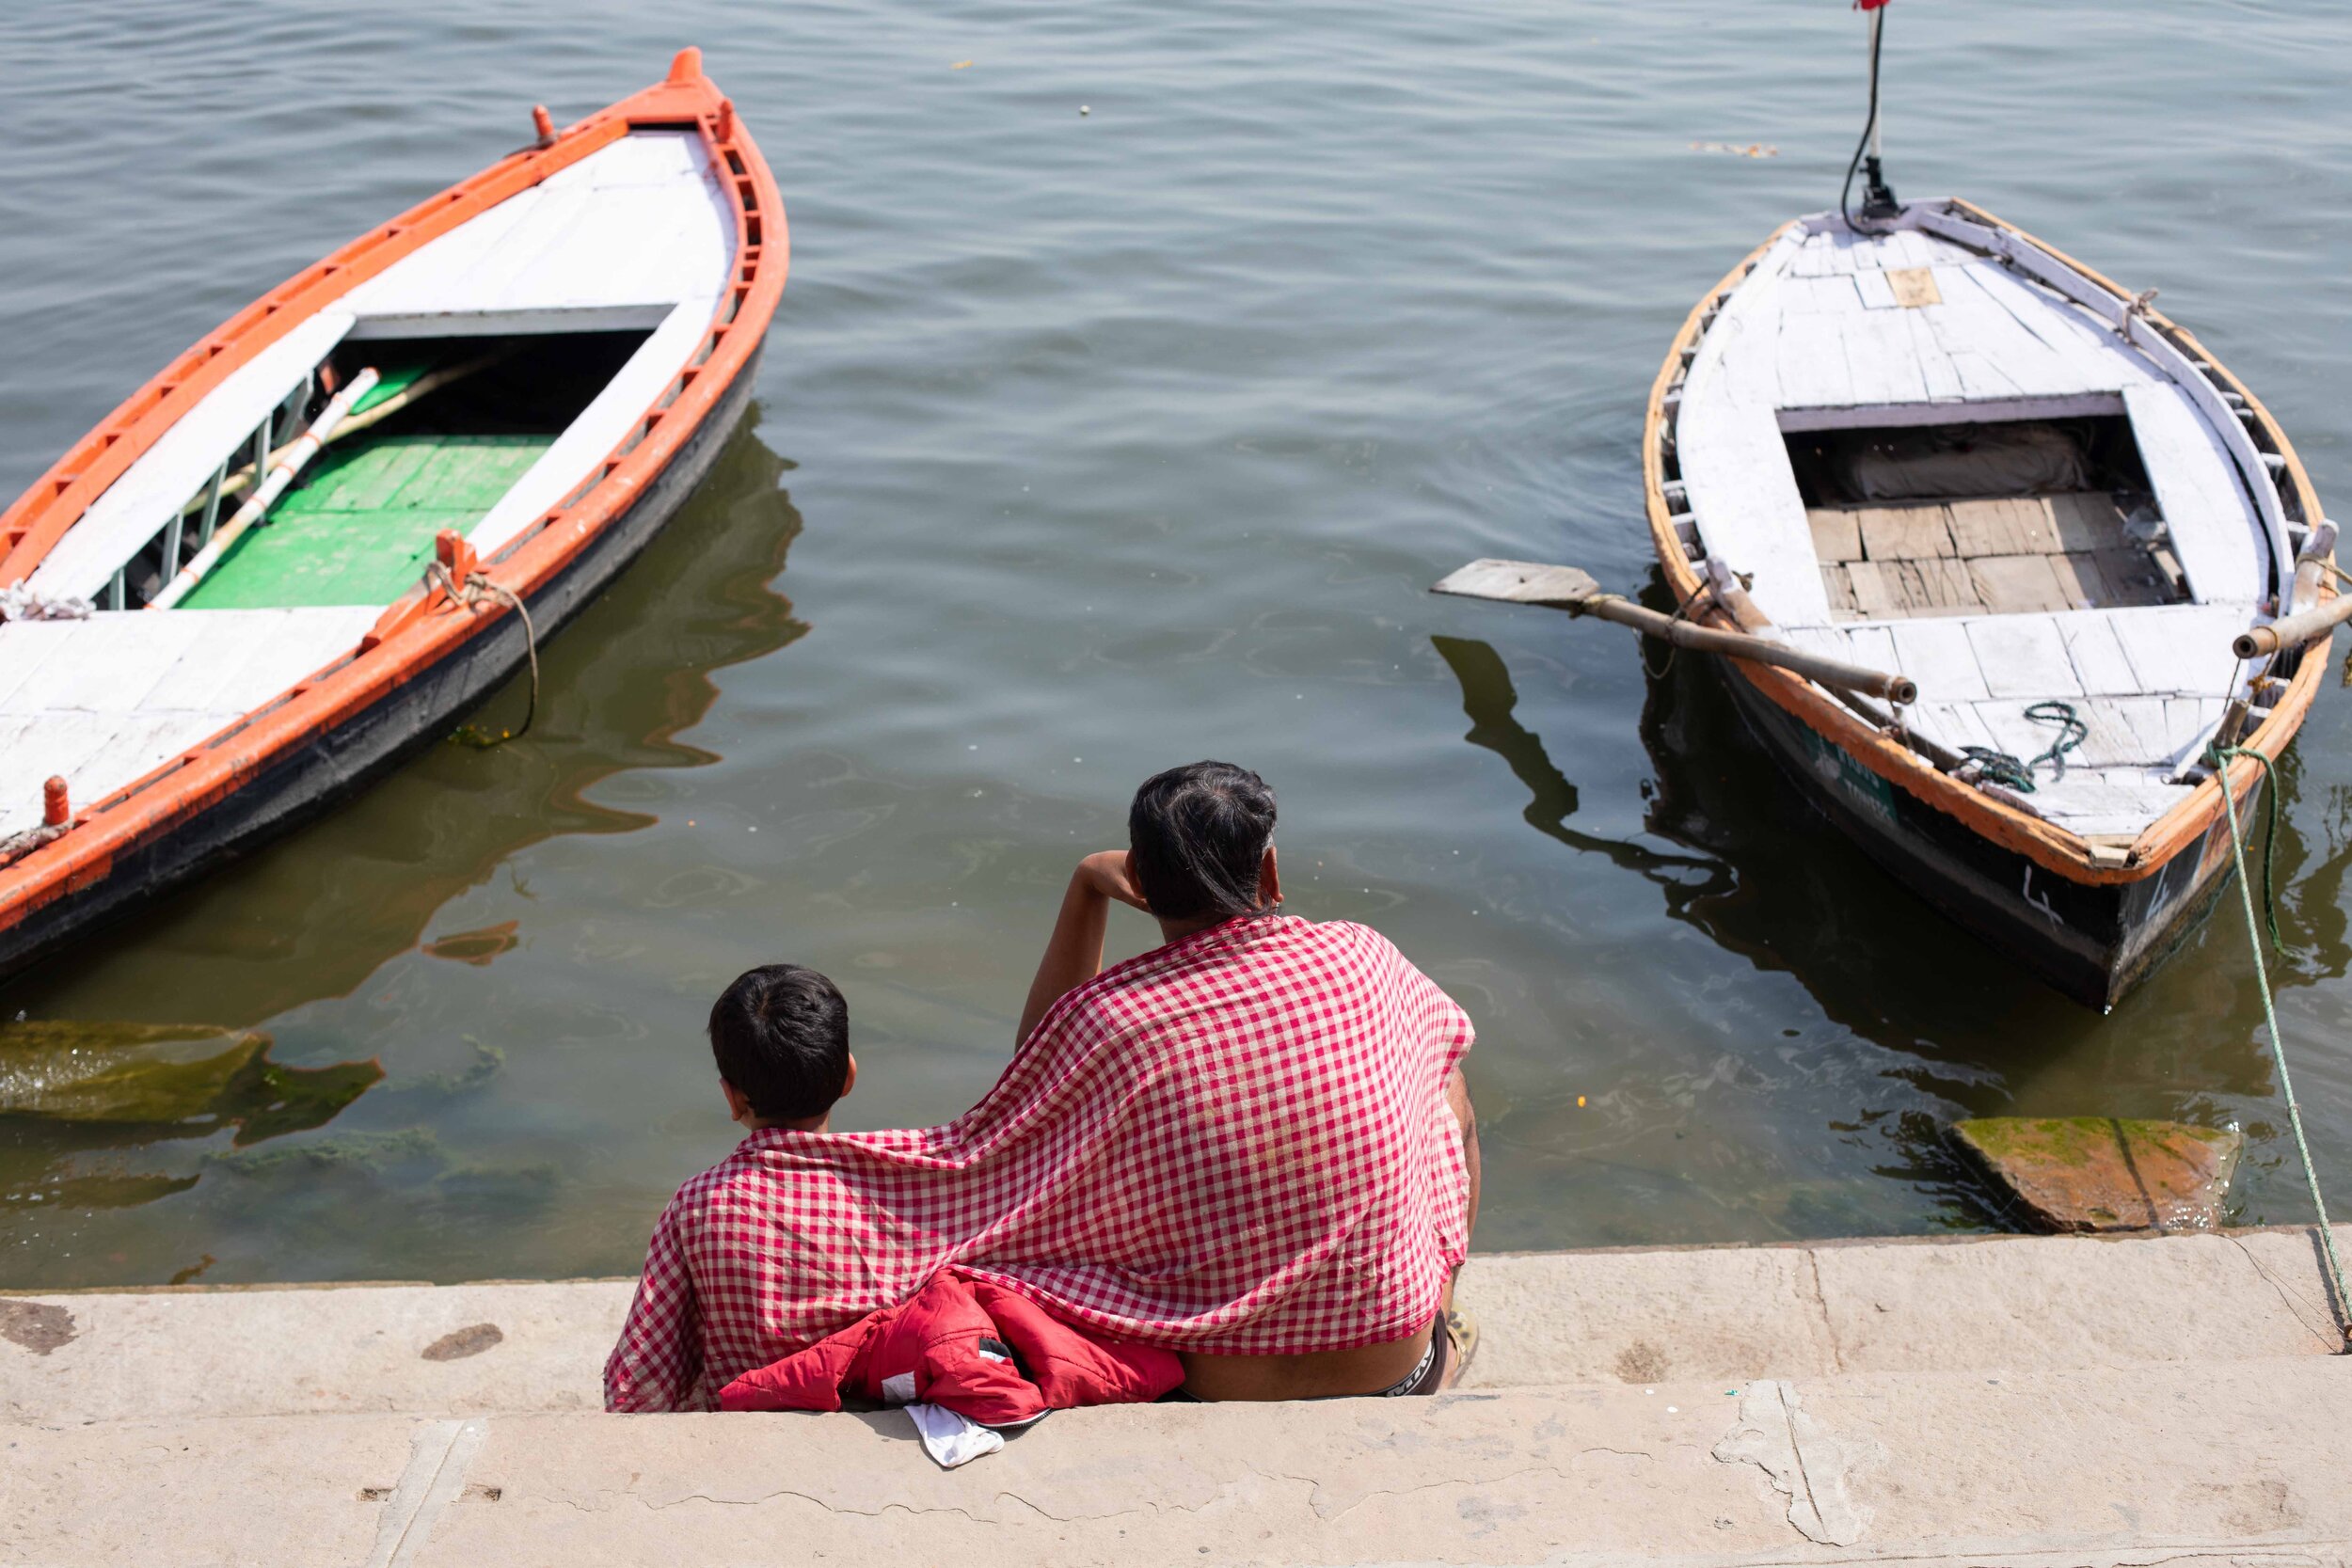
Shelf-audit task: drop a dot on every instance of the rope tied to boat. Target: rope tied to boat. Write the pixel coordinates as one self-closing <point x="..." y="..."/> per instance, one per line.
<point x="2220" y="756"/>
<point x="469" y="592"/>
<point x="1703" y="593"/>
<point x="2002" y="768"/>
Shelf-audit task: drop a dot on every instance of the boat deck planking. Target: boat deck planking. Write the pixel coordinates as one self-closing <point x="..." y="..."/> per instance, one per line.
<point x="105" y="700"/>
<point x="135" y="506"/>
<point x="359" y="529"/>
<point x="638" y="234"/>
<point x="1990" y="612"/>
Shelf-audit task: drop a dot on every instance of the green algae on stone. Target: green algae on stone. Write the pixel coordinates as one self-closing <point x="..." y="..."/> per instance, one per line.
<point x="2090" y="1174"/>
<point x="192" y="1078"/>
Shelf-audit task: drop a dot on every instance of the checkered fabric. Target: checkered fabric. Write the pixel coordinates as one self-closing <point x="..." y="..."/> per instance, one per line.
<point x="1237" y="1142"/>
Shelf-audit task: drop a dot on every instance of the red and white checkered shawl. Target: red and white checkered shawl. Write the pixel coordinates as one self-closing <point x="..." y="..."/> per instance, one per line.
<point x="1237" y="1143"/>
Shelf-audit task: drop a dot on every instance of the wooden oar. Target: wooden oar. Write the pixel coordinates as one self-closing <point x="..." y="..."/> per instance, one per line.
<point x="291" y="459"/>
<point x="1567" y="588"/>
<point x="2306" y="620"/>
<point x="424" y="385"/>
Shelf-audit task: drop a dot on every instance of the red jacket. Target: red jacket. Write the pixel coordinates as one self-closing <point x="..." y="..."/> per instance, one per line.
<point x="990" y="1355"/>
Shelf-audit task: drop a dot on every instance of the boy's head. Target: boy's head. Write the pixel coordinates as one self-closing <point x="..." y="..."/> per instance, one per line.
<point x="781" y="1036"/>
<point x="1197" y="839"/>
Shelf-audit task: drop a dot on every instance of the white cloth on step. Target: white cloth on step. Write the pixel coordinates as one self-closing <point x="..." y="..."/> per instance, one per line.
<point x="949" y="1438"/>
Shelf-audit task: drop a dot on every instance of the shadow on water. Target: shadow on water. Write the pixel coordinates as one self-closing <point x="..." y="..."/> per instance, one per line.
<point x="1769" y="879"/>
<point x="313" y="916"/>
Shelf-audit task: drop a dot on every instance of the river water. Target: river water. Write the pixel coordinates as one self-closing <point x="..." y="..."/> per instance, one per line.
<point x="1087" y="443"/>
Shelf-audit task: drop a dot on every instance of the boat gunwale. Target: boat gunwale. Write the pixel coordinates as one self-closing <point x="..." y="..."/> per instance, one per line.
<point x="2048" y="845"/>
<point x="426" y="624"/>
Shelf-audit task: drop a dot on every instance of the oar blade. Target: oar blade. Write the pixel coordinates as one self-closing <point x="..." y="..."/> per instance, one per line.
<point x="1520" y="582"/>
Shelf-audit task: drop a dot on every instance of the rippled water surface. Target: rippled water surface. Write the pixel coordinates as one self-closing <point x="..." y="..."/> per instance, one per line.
<point x="1087" y="444"/>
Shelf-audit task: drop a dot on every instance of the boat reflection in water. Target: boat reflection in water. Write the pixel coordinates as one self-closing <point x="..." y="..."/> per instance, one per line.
<point x="1962" y="1032"/>
<point x="316" y="914"/>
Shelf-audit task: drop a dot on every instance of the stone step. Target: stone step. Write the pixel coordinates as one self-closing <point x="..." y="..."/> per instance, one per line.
<point x="2239" y="1462"/>
<point x="1606" y="1318"/>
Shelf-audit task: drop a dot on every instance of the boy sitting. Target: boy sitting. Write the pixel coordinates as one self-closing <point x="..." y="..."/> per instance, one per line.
<point x="1250" y="1146"/>
<point x="781" y="1035"/>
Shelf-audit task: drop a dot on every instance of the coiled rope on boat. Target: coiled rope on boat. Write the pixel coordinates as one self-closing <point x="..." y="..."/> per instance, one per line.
<point x="2220" y="756"/>
<point x="469" y="593"/>
<point x="2002" y="768"/>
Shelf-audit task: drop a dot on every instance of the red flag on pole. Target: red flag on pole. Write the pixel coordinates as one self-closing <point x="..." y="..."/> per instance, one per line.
<point x="1867" y="5"/>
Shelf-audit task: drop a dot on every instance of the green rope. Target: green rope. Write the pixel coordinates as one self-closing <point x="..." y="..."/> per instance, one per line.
<point x="2220" y="756"/>
<point x="2002" y="768"/>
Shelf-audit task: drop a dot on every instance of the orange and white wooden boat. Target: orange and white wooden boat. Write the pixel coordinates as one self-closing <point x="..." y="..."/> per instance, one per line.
<point x="2004" y="564"/>
<point x="345" y="517"/>
<point x="1928" y="444"/>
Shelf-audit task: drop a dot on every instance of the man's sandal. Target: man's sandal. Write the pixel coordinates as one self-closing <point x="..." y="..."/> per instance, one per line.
<point x="1461" y="1334"/>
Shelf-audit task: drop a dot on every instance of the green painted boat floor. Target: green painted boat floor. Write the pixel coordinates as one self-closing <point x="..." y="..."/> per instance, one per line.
<point x="359" y="529"/>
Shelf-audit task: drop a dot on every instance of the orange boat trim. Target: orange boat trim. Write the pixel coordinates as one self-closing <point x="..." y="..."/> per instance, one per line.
<point x="2047" y="845"/>
<point x="423" y="626"/>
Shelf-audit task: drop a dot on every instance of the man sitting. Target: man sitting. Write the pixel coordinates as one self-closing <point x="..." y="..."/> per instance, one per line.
<point x="1250" y="1145"/>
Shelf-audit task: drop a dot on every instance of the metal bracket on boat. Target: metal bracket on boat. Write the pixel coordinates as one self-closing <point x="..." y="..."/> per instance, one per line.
<point x="1574" y="591"/>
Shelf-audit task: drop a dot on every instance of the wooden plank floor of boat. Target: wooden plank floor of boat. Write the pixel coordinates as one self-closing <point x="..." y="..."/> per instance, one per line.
<point x="361" y="529"/>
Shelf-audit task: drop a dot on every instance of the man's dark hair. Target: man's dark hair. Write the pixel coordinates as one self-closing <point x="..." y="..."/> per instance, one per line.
<point x="1197" y="835"/>
<point x="781" y="1035"/>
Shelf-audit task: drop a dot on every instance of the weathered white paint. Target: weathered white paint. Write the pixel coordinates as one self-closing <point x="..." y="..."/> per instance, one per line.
<point x="1812" y="338"/>
<point x="640" y="234"/>
<point x="134" y="508"/>
<point x="105" y="700"/>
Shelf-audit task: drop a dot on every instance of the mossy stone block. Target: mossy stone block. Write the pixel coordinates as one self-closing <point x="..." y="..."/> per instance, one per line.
<point x="2093" y="1174"/>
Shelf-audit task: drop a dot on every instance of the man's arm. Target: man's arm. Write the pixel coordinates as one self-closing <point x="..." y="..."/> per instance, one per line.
<point x="658" y="1364"/>
<point x="1073" y="953"/>
<point x="1458" y="1099"/>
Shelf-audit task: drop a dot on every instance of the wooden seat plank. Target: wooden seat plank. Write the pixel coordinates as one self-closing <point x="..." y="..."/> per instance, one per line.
<point x="1903" y="532"/>
<point x="2093" y="649"/>
<point x="2022" y="657"/>
<point x="33" y="655"/>
<point x="120" y="658"/>
<point x="2019" y="584"/>
<point x="1939" y="657"/>
<point x="2188" y="724"/>
<point x="1937" y="373"/>
<point x="1811" y="361"/>
<point x="149" y="493"/>
<point x="2181" y="648"/>
<point x="2215" y="529"/>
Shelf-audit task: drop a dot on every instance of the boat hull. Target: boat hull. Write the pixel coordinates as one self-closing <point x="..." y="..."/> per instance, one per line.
<point x="2091" y="915"/>
<point x="305" y="782"/>
<point x="2093" y="942"/>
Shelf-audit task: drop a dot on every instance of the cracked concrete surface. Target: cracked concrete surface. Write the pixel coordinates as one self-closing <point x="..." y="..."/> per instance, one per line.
<point x="2039" y="1400"/>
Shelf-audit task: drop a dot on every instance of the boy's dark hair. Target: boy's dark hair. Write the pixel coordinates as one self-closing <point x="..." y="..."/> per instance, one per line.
<point x="781" y="1035"/>
<point x="1197" y="835"/>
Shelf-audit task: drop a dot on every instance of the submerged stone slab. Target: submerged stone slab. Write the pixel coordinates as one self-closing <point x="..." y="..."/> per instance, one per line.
<point x="2093" y="1174"/>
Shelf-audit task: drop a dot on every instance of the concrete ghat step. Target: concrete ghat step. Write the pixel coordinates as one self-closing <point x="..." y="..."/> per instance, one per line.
<point x="2176" y="1463"/>
<point x="1604" y="1317"/>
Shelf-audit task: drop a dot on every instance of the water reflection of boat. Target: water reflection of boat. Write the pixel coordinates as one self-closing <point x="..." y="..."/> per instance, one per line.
<point x="1952" y="1028"/>
<point x="313" y="917"/>
<point x="492" y="403"/>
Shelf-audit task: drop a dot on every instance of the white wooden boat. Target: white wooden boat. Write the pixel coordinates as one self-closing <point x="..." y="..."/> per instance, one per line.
<point x="1928" y="444"/>
<point x="194" y="656"/>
